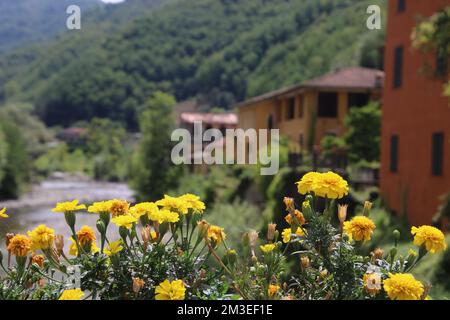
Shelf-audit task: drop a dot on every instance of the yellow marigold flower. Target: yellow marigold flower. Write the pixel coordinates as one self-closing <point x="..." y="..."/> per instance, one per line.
<point x="216" y="234"/>
<point x="372" y="283"/>
<point x="86" y="235"/>
<point x="3" y="213"/>
<point x="305" y="185"/>
<point x="73" y="294"/>
<point x="167" y="290"/>
<point x="403" y="286"/>
<point x="287" y="234"/>
<point x="70" y="206"/>
<point x="272" y="290"/>
<point x="100" y="207"/>
<point x="267" y="248"/>
<point x="193" y="202"/>
<point x="124" y="221"/>
<point x="298" y="215"/>
<point x="330" y="185"/>
<point x="119" y="207"/>
<point x="168" y="216"/>
<point x="20" y="245"/>
<point x="73" y="250"/>
<point x="360" y="228"/>
<point x="173" y="204"/>
<point x="113" y="248"/>
<point x="42" y="237"/>
<point x="145" y="208"/>
<point x="432" y="238"/>
<point x="38" y="259"/>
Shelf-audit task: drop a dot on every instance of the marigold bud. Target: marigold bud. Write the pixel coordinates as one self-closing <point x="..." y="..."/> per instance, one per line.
<point x="203" y="227"/>
<point x="305" y="262"/>
<point x="59" y="243"/>
<point x="145" y="234"/>
<point x="367" y="207"/>
<point x="271" y="228"/>
<point x="38" y="259"/>
<point x="138" y="283"/>
<point x="377" y="253"/>
<point x="323" y="274"/>
<point x="342" y="213"/>
<point x="289" y="202"/>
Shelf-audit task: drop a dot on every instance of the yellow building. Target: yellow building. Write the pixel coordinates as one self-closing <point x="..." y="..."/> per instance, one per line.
<point x="305" y="113"/>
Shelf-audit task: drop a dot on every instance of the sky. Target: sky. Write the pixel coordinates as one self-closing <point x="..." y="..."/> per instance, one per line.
<point x="112" y="1"/>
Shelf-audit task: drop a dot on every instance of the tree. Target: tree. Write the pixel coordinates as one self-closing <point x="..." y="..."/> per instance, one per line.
<point x="16" y="169"/>
<point x="363" y="133"/>
<point x="106" y="145"/>
<point x="153" y="172"/>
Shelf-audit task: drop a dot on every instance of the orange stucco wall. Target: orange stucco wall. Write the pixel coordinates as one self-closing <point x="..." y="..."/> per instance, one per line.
<point x="414" y="112"/>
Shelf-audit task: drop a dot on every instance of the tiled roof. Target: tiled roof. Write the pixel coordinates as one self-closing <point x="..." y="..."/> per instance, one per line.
<point x="210" y="118"/>
<point x="347" y="78"/>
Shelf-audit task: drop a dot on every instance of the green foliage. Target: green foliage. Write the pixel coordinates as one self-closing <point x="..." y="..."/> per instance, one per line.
<point x="15" y="167"/>
<point x="237" y="218"/>
<point x="60" y="158"/>
<point x="106" y="147"/>
<point x="223" y="51"/>
<point x="363" y="134"/>
<point x="153" y="172"/>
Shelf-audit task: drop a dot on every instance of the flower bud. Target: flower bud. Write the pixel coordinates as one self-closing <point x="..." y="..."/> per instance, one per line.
<point x="396" y="234"/>
<point x="305" y="262"/>
<point x="271" y="228"/>
<point x="38" y="259"/>
<point x="137" y="285"/>
<point x="323" y="274"/>
<point x="367" y="207"/>
<point x="289" y="203"/>
<point x="203" y="227"/>
<point x="123" y="233"/>
<point x="145" y="235"/>
<point x="377" y="254"/>
<point x="59" y="243"/>
<point x="342" y="213"/>
<point x="230" y="257"/>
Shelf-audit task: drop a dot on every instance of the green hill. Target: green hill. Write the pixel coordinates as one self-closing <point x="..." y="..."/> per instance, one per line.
<point x="222" y="50"/>
<point x="25" y="21"/>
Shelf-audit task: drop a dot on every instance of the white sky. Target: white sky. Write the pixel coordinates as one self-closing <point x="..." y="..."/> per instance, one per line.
<point x="112" y="1"/>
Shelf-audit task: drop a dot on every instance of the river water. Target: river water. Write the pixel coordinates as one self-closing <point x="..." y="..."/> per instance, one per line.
<point x="34" y="208"/>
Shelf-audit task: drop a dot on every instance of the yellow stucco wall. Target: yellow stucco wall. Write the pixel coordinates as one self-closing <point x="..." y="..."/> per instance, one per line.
<point x="256" y="116"/>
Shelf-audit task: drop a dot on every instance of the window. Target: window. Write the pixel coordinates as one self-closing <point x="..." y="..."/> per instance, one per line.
<point x="301" y="107"/>
<point x="394" y="153"/>
<point x="398" y="67"/>
<point x="358" y="100"/>
<point x="437" y="153"/>
<point x="270" y="122"/>
<point x="290" y="109"/>
<point x="441" y="64"/>
<point x="328" y="107"/>
<point x="401" y="6"/>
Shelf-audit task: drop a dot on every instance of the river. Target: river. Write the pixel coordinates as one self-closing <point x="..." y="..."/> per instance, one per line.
<point x="34" y="208"/>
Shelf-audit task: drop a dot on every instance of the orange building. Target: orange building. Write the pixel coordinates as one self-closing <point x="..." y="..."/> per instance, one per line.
<point x="305" y="113"/>
<point x="415" y="151"/>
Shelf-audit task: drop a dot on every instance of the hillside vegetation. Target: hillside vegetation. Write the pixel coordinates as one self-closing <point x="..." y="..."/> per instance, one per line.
<point x="223" y="51"/>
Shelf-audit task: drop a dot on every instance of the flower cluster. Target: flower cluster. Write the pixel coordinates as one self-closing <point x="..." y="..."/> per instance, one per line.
<point x="164" y="250"/>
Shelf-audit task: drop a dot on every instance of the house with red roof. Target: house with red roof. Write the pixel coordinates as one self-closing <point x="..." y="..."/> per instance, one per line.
<point x="308" y="111"/>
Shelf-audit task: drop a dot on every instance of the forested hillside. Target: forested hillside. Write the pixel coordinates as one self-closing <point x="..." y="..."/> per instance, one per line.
<point x="224" y="50"/>
<point x="25" y="21"/>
